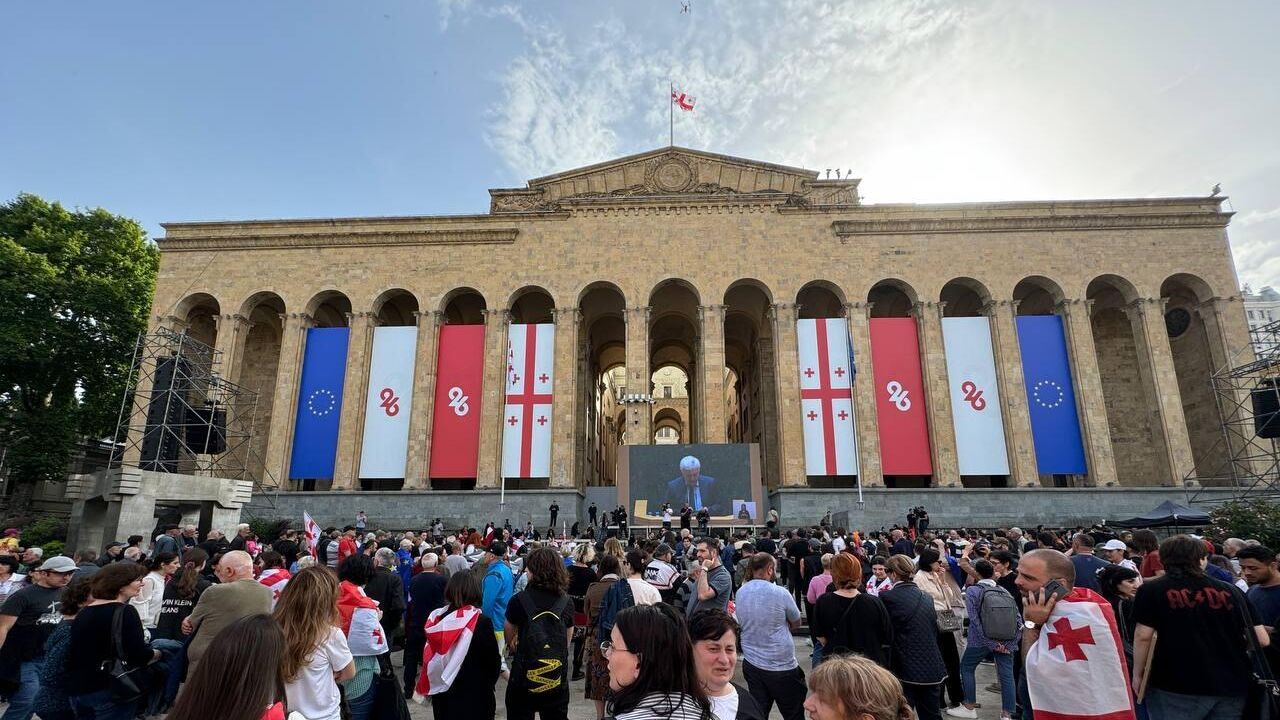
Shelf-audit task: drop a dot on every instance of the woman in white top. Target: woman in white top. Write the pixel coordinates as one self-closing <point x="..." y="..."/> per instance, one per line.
<point x="641" y="590"/>
<point x="934" y="578"/>
<point x="148" y="602"/>
<point x="316" y="656"/>
<point x="11" y="581"/>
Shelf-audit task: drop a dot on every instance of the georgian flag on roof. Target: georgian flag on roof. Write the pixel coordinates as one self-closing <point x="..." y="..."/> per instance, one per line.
<point x="682" y="100"/>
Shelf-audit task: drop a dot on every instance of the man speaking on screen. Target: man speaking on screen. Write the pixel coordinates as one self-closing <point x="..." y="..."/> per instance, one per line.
<point x="698" y="490"/>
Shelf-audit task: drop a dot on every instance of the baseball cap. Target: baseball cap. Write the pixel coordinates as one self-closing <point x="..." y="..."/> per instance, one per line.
<point x="1114" y="545"/>
<point x="58" y="564"/>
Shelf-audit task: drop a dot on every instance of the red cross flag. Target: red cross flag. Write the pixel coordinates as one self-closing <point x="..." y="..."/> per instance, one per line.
<point x="526" y="421"/>
<point x="826" y="397"/>
<point x="359" y="615"/>
<point x="1079" y="649"/>
<point x="681" y="100"/>
<point x="274" y="580"/>
<point x="312" y="531"/>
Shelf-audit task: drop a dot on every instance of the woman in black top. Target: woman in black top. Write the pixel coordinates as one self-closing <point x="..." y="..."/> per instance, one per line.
<point x="846" y="620"/>
<point x="1119" y="587"/>
<point x="580" y="578"/>
<point x="470" y="695"/>
<point x="92" y="649"/>
<point x="181" y="594"/>
<point x="916" y="659"/>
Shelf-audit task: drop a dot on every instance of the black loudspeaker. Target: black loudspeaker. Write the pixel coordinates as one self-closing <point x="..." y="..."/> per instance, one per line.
<point x="1266" y="408"/>
<point x="207" y="430"/>
<point x="165" y="413"/>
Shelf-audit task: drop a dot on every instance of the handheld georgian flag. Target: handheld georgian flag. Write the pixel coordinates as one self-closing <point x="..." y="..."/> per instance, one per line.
<point x="312" y="531"/>
<point x="681" y="100"/>
<point x="1076" y="669"/>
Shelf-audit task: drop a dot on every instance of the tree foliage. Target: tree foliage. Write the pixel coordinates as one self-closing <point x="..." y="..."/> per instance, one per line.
<point x="1257" y="518"/>
<point x="75" y="288"/>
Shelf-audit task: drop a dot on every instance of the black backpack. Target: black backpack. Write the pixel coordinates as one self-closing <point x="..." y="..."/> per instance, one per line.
<point x="543" y="649"/>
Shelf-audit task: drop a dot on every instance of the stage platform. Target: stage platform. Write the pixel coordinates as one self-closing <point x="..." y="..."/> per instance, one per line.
<point x="948" y="507"/>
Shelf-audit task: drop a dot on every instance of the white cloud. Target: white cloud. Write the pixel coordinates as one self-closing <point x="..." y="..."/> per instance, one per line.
<point x="448" y="8"/>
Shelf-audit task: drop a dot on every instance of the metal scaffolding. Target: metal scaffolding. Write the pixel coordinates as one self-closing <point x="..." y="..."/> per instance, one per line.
<point x="179" y="415"/>
<point x="1243" y="390"/>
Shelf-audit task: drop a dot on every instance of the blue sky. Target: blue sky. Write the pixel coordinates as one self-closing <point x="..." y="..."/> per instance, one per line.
<point x="239" y="110"/>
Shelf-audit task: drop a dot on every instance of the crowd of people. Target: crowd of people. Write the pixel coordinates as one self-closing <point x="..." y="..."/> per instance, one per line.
<point x="1083" y="622"/>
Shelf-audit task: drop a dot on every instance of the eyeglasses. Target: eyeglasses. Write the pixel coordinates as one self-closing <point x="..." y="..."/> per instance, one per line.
<point x="607" y="648"/>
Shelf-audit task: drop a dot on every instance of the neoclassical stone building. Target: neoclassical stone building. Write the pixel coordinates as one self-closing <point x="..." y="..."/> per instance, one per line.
<point x="1146" y="290"/>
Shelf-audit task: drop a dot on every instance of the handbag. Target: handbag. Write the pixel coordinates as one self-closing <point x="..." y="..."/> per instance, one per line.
<point x="948" y="621"/>
<point x="388" y="699"/>
<point x="127" y="684"/>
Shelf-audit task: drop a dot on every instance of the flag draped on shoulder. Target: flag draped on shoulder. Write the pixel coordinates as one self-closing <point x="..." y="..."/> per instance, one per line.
<point x="1079" y="649"/>
<point x="360" y="621"/>
<point x="449" y="636"/>
<point x="274" y="580"/>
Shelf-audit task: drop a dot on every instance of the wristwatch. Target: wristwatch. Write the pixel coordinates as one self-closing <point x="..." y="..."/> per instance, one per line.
<point x="1030" y="625"/>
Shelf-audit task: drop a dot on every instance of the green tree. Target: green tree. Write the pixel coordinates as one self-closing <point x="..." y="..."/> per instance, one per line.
<point x="1256" y="518"/>
<point x="75" y="288"/>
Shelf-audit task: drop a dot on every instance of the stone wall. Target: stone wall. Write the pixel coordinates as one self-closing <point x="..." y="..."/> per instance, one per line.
<point x="401" y="510"/>
<point x="979" y="507"/>
<point x="1139" y="460"/>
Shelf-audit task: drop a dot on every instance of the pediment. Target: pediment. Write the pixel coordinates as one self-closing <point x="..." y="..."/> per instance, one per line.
<point x="672" y="174"/>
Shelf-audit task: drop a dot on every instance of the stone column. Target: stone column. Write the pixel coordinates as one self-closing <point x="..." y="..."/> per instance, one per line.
<point x="489" y="469"/>
<point x="1013" y="393"/>
<point x="424" y="394"/>
<point x="1091" y="405"/>
<point x="713" y="412"/>
<point x="355" y="391"/>
<point x="1227" y="331"/>
<point x="564" y="439"/>
<point x="285" y="404"/>
<point x="791" y="440"/>
<point x="1161" y="381"/>
<point x="233" y="331"/>
<point x="937" y="390"/>
<point x="870" y="469"/>
<point x="639" y="429"/>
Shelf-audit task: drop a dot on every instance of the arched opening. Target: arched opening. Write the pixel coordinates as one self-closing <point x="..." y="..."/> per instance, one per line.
<point x="602" y="351"/>
<point x="329" y="309"/>
<point x="258" y="369"/>
<point x="200" y="313"/>
<point x="668" y="427"/>
<point x="670" y="390"/>
<point x="1193" y="363"/>
<point x="531" y="306"/>
<point x="674" y="342"/>
<point x="463" y="306"/>
<point x="970" y="357"/>
<point x="1127" y="390"/>
<point x="396" y="308"/>
<point x="821" y="300"/>
<point x="901" y="415"/>
<point x="750" y="374"/>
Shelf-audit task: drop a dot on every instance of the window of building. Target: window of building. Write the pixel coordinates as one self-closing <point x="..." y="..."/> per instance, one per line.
<point x="666" y="391"/>
<point x="1250" y="314"/>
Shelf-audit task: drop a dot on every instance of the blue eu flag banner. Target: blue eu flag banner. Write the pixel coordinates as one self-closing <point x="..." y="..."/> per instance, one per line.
<point x="1050" y="396"/>
<point x="315" y="434"/>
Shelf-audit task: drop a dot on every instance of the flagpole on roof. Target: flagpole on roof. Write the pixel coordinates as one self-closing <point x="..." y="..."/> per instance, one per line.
<point x="671" y="112"/>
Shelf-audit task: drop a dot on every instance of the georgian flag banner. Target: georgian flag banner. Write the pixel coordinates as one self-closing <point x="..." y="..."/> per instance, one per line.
<point x="385" y="448"/>
<point x="274" y="580"/>
<point x="1076" y="670"/>
<point x="359" y="615"/>
<point x="455" y="428"/>
<point x="826" y="397"/>
<point x="975" y="397"/>
<point x="526" y="420"/>
<point x="315" y="430"/>
<point x="899" y="390"/>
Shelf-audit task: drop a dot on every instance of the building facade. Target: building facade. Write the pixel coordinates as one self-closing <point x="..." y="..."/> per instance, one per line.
<point x="1262" y="310"/>
<point x="1145" y="290"/>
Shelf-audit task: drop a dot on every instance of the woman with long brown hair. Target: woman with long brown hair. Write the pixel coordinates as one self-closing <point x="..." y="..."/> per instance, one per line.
<point x="239" y="677"/>
<point x="316" y="657"/>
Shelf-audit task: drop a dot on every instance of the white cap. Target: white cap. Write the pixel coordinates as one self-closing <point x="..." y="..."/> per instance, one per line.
<point x="1114" y="545"/>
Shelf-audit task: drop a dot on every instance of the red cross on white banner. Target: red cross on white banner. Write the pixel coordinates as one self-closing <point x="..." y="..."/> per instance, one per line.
<point x="826" y="397"/>
<point x="526" y="430"/>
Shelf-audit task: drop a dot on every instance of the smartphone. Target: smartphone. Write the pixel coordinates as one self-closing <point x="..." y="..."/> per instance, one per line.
<point x="1053" y="587"/>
